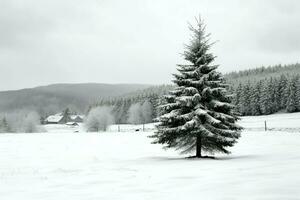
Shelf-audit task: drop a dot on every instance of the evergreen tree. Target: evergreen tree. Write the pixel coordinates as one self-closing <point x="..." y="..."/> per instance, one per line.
<point x="238" y="99"/>
<point x="4" y="126"/>
<point x="66" y="112"/>
<point x="292" y="102"/>
<point x="285" y="93"/>
<point x="198" y="114"/>
<point x="255" y="99"/>
<point x="277" y="95"/>
<point x="271" y="95"/>
<point x="265" y="100"/>
<point x="298" y="92"/>
<point x="245" y="100"/>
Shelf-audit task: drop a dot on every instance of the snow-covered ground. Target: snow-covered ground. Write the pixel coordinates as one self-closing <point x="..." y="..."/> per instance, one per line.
<point x="277" y="122"/>
<point x="62" y="128"/>
<point x="125" y="165"/>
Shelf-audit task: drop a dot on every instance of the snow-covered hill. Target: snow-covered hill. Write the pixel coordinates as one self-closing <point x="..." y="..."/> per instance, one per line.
<point x="125" y="165"/>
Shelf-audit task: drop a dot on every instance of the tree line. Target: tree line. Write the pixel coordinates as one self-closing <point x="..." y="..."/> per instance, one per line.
<point x="268" y="96"/>
<point x="260" y="73"/>
<point x="257" y="97"/>
<point x="137" y="108"/>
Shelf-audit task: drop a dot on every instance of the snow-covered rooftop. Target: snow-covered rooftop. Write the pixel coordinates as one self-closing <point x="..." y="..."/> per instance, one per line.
<point x="76" y="116"/>
<point x="54" y="118"/>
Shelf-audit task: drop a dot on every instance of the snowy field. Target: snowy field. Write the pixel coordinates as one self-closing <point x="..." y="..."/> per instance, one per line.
<point x="277" y="122"/>
<point x="62" y="165"/>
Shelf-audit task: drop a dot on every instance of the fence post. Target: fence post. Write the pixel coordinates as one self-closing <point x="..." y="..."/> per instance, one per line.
<point x="119" y="128"/>
<point x="265" y="125"/>
<point x="143" y="127"/>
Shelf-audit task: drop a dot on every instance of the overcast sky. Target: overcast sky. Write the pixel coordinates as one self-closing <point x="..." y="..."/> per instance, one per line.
<point x="137" y="41"/>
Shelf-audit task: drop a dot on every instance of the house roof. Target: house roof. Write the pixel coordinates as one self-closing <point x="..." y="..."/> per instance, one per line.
<point x="54" y="118"/>
<point x="72" y="124"/>
<point x="76" y="116"/>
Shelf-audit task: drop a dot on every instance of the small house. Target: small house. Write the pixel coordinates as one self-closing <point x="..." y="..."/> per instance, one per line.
<point x="76" y="118"/>
<point x="57" y="119"/>
<point x="72" y="124"/>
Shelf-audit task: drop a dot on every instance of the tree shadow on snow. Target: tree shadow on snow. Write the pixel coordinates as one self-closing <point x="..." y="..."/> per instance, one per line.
<point x="205" y="158"/>
<point x="231" y="157"/>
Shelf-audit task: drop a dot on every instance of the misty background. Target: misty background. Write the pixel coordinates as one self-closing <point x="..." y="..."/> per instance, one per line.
<point x="72" y="41"/>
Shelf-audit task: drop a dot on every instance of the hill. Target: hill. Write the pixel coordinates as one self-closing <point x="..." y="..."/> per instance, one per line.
<point x="54" y="98"/>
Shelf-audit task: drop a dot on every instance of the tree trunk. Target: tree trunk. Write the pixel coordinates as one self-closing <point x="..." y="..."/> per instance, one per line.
<point x="198" y="147"/>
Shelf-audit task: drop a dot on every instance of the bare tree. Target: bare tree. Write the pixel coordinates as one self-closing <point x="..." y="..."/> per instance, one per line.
<point x="31" y="123"/>
<point x="147" y="112"/>
<point x="135" y="114"/>
<point x="23" y="121"/>
<point x="99" y="118"/>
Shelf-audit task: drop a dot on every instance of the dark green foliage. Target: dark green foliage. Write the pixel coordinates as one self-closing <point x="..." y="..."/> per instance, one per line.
<point x="197" y="115"/>
<point x="245" y="109"/>
<point x="271" y="95"/>
<point x="238" y="101"/>
<point x="260" y="73"/>
<point x="282" y="90"/>
<point x="292" y="102"/>
<point x="66" y="115"/>
<point x="254" y="99"/>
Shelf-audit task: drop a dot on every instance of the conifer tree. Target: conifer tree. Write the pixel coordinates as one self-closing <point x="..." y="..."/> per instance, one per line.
<point x="245" y="100"/>
<point x="292" y="100"/>
<point x="238" y="98"/>
<point x="285" y="93"/>
<point x="4" y="126"/>
<point x="265" y="100"/>
<point x="271" y="95"/>
<point x="66" y="113"/>
<point x="255" y="99"/>
<point x="198" y="114"/>
<point x="298" y="92"/>
<point x="277" y="95"/>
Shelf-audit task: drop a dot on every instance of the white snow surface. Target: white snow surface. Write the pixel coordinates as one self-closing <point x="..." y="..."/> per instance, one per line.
<point x="112" y="165"/>
<point x="277" y="122"/>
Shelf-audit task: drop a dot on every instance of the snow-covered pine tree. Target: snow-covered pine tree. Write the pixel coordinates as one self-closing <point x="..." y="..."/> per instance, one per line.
<point x="265" y="101"/>
<point x="277" y="95"/>
<point x="198" y="114"/>
<point x="246" y="99"/>
<point x="238" y="98"/>
<point x="255" y="99"/>
<point x="292" y="102"/>
<point x="285" y="91"/>
<point x="298" y="92"/>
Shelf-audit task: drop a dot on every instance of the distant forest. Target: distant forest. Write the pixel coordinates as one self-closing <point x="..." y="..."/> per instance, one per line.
<point x="261" y="73"/>
<point x="266" y="90"/>
<point x="122" y="104"/>
<point x="259" y="91"/>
